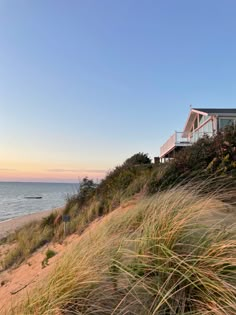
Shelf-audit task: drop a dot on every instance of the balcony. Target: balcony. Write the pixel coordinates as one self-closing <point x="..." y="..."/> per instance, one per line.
<point x="179" y="140"/>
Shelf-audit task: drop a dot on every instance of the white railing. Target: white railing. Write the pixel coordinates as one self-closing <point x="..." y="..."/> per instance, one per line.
<point x="180" y="139"/>
<point x="168" y="145"/>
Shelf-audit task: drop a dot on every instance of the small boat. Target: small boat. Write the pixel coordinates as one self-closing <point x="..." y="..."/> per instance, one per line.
<point x="34" y="197"/>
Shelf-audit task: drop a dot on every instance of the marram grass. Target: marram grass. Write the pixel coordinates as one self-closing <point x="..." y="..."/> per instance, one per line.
<point x="173" y="253"/>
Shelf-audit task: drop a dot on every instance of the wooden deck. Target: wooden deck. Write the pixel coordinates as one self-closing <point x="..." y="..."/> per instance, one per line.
<point x="176" y="140"/>
<point x="179" y="140"/>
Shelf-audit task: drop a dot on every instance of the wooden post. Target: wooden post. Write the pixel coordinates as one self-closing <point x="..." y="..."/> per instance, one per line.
<point x="65" y="218"/>
<point x="64" y="228"/>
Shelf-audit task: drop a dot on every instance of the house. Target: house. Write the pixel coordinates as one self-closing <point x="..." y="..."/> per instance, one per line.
<point x="200" y="122"/>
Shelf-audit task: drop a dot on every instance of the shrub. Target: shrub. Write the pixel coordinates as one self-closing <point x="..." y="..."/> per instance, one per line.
<point x="49" y="220"/>
<point x="85" y="193"/>
<point x="137" y="159"/>
<point x="49" y="254"/>
<point x="208" y="156"/>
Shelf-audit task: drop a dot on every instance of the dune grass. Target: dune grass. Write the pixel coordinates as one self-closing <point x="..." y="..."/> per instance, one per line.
<point x="26" y="240"/>
<point x="173" y="253"/>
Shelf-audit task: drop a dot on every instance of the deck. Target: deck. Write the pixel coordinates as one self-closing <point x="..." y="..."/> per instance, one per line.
<point x="176" y="140"/>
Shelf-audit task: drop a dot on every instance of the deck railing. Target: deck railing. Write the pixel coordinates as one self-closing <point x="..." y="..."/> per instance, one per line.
<point x="180" y="139"/>
<point x="168" y="145"/>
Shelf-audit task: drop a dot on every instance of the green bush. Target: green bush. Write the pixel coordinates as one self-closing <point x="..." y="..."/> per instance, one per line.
<point x="208" y="156"/>
<point x="49" y="220"/>
<point x="138" y="159"/>
<point x="49" y="254"/>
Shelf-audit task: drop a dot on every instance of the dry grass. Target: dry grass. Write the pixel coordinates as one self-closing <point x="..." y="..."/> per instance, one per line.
<point x="174" y="253"/>
<point x="26" y="240"/>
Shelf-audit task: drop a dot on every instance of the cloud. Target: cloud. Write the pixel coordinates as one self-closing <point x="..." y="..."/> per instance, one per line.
<point x="64" y="170"/>
<point x="8" y="169"/>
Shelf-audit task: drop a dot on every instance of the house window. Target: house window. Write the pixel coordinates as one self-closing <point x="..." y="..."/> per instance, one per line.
<point x="205" y="129"/>
<point x="202" y="119"/>
<point x="227" y="122"/>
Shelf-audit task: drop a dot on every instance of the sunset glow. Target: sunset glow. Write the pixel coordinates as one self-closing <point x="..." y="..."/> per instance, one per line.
<point x="85" y="85"/>
<point x="15" y="172"/>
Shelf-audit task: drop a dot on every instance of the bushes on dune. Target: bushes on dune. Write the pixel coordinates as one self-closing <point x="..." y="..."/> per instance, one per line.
<point x="122" y="182"/>
<point x="138" y="159"/>
<point x="87" y="189"/>
<point x="224" y="160"/>
<point x="208" y="156"/>
<point x="94" y="200"/>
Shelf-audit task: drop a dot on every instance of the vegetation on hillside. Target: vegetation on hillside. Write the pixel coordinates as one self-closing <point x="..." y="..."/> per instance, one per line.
<point x="91" y="202"/>
<point x="173" y="253"/>
<point x="208" y="157"/>
<point x="213" y="158"/>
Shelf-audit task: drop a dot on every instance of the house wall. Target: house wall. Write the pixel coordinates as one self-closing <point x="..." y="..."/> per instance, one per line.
<point x="202" y="124"/>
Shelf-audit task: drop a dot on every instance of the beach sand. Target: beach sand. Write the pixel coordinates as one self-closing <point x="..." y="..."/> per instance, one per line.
<point x="10" y="226"/>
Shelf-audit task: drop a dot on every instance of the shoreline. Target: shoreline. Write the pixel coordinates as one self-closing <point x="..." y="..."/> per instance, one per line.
<point x="11" y="225"/>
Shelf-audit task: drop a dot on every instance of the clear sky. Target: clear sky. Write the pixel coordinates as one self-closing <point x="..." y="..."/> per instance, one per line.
<point x="84" y="84"/>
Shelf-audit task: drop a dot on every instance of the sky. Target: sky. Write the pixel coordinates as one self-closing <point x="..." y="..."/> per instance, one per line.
<point x="85" y="84"/>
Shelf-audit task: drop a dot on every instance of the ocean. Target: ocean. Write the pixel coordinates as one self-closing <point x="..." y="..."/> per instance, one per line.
<point x="18" y="199"/>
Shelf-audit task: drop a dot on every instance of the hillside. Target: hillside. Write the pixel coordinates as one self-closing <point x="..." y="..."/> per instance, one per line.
<point x="149" y="239"/>
<point x="173" y="253"/>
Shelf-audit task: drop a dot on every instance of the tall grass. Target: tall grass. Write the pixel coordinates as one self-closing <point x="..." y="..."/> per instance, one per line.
<point x="173" y="253"/>
<point x="27" y="240"/>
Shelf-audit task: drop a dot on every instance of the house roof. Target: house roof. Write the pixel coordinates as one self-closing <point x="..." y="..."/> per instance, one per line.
<point x="206" y="111"/>
<point x="216" y="110"/>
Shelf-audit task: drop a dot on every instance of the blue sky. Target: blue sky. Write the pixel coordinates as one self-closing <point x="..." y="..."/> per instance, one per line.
<point x="85" y="84"/>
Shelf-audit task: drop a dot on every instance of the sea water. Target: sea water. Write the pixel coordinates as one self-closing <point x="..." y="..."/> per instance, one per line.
<point x="18" y="199"/>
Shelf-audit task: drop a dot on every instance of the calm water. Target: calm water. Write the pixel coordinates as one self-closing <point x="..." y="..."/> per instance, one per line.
<point x="13" y="202"/>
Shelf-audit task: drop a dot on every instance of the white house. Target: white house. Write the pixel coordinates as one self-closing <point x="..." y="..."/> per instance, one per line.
<point x="200" y="122"/>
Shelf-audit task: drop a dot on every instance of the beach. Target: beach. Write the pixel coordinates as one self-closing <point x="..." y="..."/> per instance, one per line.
<point x="10" y="226"/>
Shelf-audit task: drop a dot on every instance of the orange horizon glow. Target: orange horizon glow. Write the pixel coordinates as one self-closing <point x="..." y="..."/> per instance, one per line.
<point x="50" y="175"/>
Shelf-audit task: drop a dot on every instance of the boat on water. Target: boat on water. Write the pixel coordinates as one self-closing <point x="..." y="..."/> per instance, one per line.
<point x="33" y="197"/>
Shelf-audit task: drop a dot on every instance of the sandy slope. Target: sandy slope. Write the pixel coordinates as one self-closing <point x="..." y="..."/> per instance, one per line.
<point x="14" y="283"/>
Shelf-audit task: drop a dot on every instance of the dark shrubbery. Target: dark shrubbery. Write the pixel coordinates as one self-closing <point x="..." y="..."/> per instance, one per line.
<point x="224" y="161"/>
<point x="207" y="157"/>
<point x="49" y="220"/>
<point x="113" y="187"/>
<point x="87" y="189"/>
<point x="117" y="182"/>
<point x="137" y="159"/>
